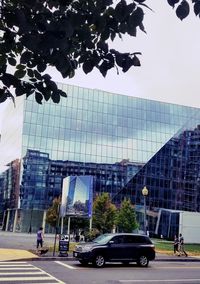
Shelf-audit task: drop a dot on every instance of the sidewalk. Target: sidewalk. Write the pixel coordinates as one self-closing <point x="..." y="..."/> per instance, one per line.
<point x="16" y="254"/>
<point x="19" y="246"/>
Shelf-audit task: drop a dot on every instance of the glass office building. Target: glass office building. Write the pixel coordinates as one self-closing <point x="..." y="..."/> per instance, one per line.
<point x="123" y="142"/>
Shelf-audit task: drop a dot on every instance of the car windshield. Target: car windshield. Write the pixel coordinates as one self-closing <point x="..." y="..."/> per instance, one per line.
<point x="103" y="239"/>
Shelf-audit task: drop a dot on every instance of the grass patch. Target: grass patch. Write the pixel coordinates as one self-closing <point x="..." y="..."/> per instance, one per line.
<point x="167" y="247"/>
<point x="71" y="247"/>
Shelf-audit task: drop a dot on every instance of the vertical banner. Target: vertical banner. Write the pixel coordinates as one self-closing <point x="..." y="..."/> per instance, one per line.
<point x="77" y="196"/>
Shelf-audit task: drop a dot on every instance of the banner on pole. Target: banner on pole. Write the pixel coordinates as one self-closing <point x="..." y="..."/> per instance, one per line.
<point x="77" y="196"/>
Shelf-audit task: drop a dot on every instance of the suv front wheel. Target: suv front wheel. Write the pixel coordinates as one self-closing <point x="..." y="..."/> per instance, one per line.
<point x="99" y="261"/>
<point x="143" y="261"/>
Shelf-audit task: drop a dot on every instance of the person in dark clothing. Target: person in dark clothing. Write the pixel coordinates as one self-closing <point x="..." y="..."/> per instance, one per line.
<point x="181" y="245"/>
<point x="40" y="237"/>
<point x="176" y="245"/>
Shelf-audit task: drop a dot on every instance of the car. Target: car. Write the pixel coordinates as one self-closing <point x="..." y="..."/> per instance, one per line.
<point x="118" y="247"/>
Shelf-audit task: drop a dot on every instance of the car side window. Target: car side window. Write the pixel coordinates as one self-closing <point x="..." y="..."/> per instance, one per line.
<point x="136" y="240"/>
<point x="118" y="239"/>
<point x="143" y="240"/>
<point x="130" y="239"/>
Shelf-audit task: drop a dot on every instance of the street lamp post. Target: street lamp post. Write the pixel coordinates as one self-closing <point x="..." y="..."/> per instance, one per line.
<point x="145" y="193"/>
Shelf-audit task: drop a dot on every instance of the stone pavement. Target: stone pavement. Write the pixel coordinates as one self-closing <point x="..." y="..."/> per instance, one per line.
<point x="20" y="246"/>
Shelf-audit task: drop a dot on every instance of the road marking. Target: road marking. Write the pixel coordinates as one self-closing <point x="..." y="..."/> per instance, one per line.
<point x="33" y="274"/>
<point x="52" y="277"/>
<point x="12" y="262"/>
<point x="18" y="268"/>
<point x="159" y="280"/>
<point x="14" y="265"/>
<point x="24" y="273"/>
<point x="65" y="265"/>
<point x="25" y="278"/>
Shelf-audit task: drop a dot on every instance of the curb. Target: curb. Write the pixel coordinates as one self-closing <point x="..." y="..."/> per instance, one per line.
<point x="178" y="259"/>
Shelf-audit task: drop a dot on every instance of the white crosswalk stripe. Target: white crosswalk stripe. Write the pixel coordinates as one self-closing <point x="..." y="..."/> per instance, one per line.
<point x="23" y="272"/>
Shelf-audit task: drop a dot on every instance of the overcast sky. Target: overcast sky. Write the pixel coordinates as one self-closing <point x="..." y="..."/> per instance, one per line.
<point x="170" y="60"/>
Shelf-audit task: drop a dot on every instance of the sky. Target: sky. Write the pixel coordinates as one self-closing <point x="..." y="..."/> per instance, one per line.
<point x="170" y="60"/>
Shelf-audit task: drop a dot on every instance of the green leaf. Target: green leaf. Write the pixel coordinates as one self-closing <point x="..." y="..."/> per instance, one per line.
<point x="20" y="67"/>
<point x="136" y="18"/>
<point x="127" y="63"/>
<point x="71" y="74"/>
<point x="41" y="67"/>
<point x="136" y="61"/>
<point x="20" y="73"/>
<point x="20" y="91"/>
<point x="12" y="61"/>
<point x="47" y="94"/>
<point x="173" y="2"/>
<point x="183" y="10"/>
<point x="103" y="70"/>
<point x="55" y="97"/>
<point x="3" y="95"/>
<point x="2" y="60"/>
<point x="103" y="46"/>
<point x="9" y="80"/>
<point x="62" y="94"/>
<point x="87" y="66"/>
<point x="46" y="77"/>
<point x="119" y="59"/>
<point x="25" y="57"/>
<point x="30" y="73"/>
<point x="38" y="97"/>
<point x="197" y="8"/>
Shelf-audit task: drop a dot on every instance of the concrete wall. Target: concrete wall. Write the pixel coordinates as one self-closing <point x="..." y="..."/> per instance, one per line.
<point x="189" y="226"/>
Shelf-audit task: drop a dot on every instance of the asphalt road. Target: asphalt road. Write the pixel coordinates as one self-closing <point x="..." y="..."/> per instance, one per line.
<point x="162" y="272"/>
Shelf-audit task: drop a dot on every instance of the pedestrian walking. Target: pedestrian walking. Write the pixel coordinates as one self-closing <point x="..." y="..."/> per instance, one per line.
<point x="40" y="237"/>
<point x="176" y="245"/>
<point x="181" y="245"/>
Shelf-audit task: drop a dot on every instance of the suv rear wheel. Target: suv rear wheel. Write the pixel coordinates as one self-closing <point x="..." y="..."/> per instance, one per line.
<point x="143" y="261"/>
<point x="99" y="261"/>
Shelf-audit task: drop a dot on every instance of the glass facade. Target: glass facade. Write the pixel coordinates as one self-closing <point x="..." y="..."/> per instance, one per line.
<point x="124" y="142"/>
<point x="172" y="176"/>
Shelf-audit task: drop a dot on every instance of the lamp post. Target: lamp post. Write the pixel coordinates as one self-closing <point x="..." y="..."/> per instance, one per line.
<point x="145" y="193"/>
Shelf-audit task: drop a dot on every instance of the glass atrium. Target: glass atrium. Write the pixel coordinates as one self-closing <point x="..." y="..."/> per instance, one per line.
<point x="124" y="142"/>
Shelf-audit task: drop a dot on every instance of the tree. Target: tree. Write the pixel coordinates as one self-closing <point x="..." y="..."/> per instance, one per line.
<point x="104" y="213"/>
<point x="66" y="35"/>
<point x="126" y="217"/>
<point x="79" y="223"/>
<point x="53" y="213"/>
<point x="183" y="8"/>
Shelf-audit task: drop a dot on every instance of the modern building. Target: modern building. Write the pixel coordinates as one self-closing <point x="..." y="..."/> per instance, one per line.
<point x="124" y="142"/>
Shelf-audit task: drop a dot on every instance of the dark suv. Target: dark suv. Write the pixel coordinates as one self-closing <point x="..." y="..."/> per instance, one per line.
<point x="121" y="247"/>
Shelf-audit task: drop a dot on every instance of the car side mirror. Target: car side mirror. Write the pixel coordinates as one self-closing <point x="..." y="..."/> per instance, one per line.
<point x="111" y="242"/>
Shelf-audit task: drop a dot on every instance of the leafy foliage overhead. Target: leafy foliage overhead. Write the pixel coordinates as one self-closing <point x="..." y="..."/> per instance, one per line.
<point x="66" y="34"/>
<point x="183" y="7"/>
